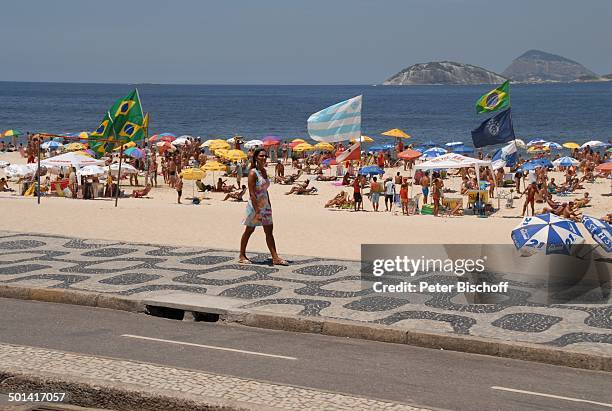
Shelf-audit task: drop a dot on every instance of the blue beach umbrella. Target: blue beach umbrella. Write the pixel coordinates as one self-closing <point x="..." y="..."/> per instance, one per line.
<point x="548" y="233"/>
<point x="454" y="144"/>
<point x="600" y="231"/>
<point x="51" y="145"/>
<point x="388" y="146"/>
<point x="566" y="162"/>
<point x="434" y="152"/>
<point x="376" y="148"/>
<point x="371" y="170"/>
<point x="533" y="164"/>
<point x="430" y="143"/>
<point x="537" y="142"/>
<point x="463" y="150"/>
<point x="552" y="144"/>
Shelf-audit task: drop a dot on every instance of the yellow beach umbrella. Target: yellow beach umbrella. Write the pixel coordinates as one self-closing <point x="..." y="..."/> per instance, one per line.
<point x="324" y="146"/>
<point x="125" y="146"/>
<point x="221" y="152"/>
<point x="83" y="153"/>
<point x="362" y="139"/>
<point x="298" y="140"/>
<point x="213" y="166"/>
<point x="537" y="149"/>
<point x="395" y="132"/>
<point x="216" y="145"/>
<point x="571" y="145"/>
<point x="193" y="174"/>
<point x="235" y="155"/>
<point x="303" y="147"/>
<point x="74" y="147"/>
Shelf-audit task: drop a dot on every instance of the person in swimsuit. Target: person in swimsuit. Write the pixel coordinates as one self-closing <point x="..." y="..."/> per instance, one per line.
<point x="375" y="190"/>
<point x="425" y="186"/>
<point x="259" y="210"/>
<point x="531" y="192"/>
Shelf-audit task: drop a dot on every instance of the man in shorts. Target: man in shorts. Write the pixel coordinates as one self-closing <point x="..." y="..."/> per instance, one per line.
<point x="425" y="186"/>
<point x="389" y="194"/>
<point x="357" y="193"/>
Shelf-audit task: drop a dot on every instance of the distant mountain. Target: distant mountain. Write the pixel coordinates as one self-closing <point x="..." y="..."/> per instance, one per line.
<point x="537" y="66"/>
<point x="443" y="72"/>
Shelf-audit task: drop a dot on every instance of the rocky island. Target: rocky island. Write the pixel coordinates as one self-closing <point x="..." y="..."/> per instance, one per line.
<point x="535" y="66"/>
<point x="444" y="72"/>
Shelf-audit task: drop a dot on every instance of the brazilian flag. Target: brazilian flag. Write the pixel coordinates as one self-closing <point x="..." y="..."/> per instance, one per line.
<point x="102" y="132"/>
<point x="496" y="99"/>
<point x="128" y="118"/>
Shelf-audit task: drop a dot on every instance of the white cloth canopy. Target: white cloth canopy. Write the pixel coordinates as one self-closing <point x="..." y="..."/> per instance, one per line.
<point x="71" y="159"/>
<point x="20" y="170"/>
<point x="452" y="160"/>
<point x="92" y="171"/>
<point x="125" y="168"/>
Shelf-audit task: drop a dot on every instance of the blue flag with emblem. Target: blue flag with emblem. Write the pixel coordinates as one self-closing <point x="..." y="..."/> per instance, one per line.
<point x="496" y="130"/>
<point x="339" y="122"/>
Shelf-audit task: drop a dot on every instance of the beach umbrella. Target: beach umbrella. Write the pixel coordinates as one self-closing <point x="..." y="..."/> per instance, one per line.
<point x="329" y="162"/>
<point x="216" y="145"/>
<point x="324" y="146"/>
<point x="552" y="144"/>
<point x="600" y="231"/>
<point x="409" y="154"/>
<point x="11" y="133"/>
<point x="51" y="145"/>
<point x="571" y="145"/>
<point x="71" y="159"/>
<point x="154" y="138"/>
<point x="93" y="170"/>
<point x="593" y="143"/>
<point x="167" y="137"/>
<point x="371" y="170"/>
<point x="270" y="143"/>
<point x="388" y="146"/>
<point x="181" y="141"/>
<point x="376" y="148"/>
<point x="294" y="144"/>
<point x="463" y="150"/>
<point x="221" y="152"/>
<point x="125" y="146"/>
<point x="362" y="139"/>
<point x="566" y="162"/>
<point x="193" y="174"/>
<point x="605" y="167"/>
<point x="303" y="147"/>
<point x="74" y="147"/>
<point x="271" y="139"/>
<point x="253" y="144"/>
<point x="20" y="170"/>
<point x="84" y="153"/>
<point x="298" y="140"/>
<point x="548" y="233"/>
<point x="430" y="143"/>
<point x="135" y="152"/>
<point x="454" y="144"/>
<point x="537" y="149"/>
<point x="207" y="143"/>
<point x="83" y="135"/>
<point x="519" y="143"/>
<point x="165" y="145"/>
<point x="396" y="133"/>
<point x="537" y="142"/>
<point x="213" y="166"/>
<point x="434" y="152"/>
<point x="539" y="162"/>
<point x="125" y="169"/>
<point x="235" y="155"/>
<point x="609" y="150"/>
<point x="4" y="164"/>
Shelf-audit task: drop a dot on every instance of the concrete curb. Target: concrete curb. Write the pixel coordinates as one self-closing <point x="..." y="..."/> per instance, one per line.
<point x="340" y="328"/>
<point x="106" y="395"/>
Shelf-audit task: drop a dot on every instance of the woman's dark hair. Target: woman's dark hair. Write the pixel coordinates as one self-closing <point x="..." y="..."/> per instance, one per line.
<point x="255" y="155"/>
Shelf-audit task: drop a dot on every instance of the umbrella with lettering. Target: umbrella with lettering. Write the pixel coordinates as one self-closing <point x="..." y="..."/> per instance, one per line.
<point x="600" y="231"/>
<point x="546" y="233"/>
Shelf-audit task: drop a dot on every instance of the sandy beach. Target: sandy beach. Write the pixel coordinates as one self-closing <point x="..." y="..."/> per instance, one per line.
<point x="302" y="225"/>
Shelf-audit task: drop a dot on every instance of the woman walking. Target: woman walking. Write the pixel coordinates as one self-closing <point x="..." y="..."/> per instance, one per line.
<point x="259" y="210"/>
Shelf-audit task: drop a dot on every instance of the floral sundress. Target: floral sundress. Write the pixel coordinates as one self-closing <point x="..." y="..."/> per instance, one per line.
<point x="263" y="202"/>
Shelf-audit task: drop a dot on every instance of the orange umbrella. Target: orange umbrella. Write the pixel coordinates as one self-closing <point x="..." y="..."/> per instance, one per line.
<point x="605" y="167"/>
<point x="409" y="154"/>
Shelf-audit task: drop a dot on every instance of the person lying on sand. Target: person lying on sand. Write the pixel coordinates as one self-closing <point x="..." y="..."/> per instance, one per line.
<point x="4" y="185"/>
<point x="584" y="201"/>
<point x="289" y="179"/>
<point x="224" y="188"/>
<point x="326" y="178"/>
<point x="339" y="200"/>
<point x="302" y="189"/>
<point x="237" y="196"/>
<point x="607" y="218"/>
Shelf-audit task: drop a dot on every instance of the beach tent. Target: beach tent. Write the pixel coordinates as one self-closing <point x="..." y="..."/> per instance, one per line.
<point x="71" y="159"/>
<point x="454" y="160"/>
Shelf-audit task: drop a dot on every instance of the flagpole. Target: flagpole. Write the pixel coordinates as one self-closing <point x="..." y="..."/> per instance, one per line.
<point x="38" y="169"/>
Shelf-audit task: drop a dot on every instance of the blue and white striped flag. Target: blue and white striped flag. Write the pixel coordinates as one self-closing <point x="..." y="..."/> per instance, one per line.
<point x="339" y="122"/>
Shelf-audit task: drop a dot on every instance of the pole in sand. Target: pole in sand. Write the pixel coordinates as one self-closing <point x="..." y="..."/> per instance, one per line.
<point x="38" y="170"/>
<point x="119" y="176"/>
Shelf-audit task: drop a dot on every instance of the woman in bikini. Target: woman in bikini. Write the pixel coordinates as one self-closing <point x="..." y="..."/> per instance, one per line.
<point x="259" y="210"/>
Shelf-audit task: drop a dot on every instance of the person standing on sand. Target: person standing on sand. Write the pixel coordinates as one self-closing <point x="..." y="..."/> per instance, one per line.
<point x="179" y="188"/>
<point x="436" y="194"/>
<point x="357" y="193"/>
<point x="404" y="198"/>
<point x="259" y="209"/>
<point x="531" y="192"/>
<point x="389" y="194"/>
<point x="425" y="186"/>
<point x="375" y="190"/>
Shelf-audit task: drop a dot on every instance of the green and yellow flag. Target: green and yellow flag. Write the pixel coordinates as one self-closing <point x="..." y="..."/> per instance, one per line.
<point x="496" y="99"/>
<point x="104" y="131"/>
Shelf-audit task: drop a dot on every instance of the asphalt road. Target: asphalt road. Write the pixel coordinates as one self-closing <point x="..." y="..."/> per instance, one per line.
<point x="431" y="378"/>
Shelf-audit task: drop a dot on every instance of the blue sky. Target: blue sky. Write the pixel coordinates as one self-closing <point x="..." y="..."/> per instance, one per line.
<point x="287" y="42"/>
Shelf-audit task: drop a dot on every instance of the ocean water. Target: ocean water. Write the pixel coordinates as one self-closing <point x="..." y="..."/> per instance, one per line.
<point x="557" y="112"/>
